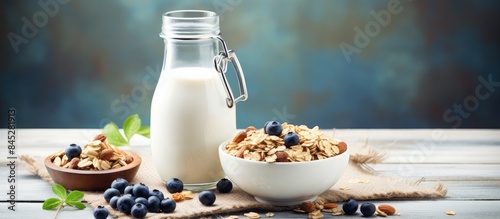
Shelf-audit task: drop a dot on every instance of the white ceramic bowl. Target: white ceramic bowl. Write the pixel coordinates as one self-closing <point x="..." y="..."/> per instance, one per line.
<point x="283" y="184"/>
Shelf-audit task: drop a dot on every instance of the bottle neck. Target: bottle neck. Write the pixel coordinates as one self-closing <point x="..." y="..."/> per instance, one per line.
<point x="189" y="53"/>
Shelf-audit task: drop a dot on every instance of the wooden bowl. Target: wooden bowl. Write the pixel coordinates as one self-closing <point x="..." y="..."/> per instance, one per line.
<point x="91" y="180"/>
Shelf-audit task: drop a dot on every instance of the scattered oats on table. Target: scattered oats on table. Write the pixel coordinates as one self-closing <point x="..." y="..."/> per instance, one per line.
<point x="315" y="215"/>
<point x="451" y="212"/>
<point x="177" y="197"/>
<point x="336" y="211"/>
<point x="252" y="215"/>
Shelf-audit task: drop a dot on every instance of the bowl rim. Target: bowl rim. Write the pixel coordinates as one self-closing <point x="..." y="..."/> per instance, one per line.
<point x="223" y="144"/>
<point x="136" y="162"/>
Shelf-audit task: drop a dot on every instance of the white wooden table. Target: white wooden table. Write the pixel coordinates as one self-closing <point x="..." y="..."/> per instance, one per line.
<point x="466" y="162"/>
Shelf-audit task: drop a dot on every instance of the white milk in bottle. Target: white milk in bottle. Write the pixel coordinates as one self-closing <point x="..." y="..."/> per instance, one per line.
<point x="192" y="111"/>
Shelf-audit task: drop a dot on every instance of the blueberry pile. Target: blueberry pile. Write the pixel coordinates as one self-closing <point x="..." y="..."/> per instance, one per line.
<point x="138" y="199"/>
<point x="135" y="200"/>
<point x="351" y="206"/>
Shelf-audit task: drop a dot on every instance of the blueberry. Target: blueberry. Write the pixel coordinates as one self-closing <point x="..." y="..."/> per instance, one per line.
<point x="273" y="128"/>
<point x="141" y="190"/>
<point x="350" y="207"/>
<point x="75" y="145"/>
<point x="129" y="189"/>
<point x="73" y="151"/>
<point x="367" y="209"/>
<point x="139" y="210"/>
<point x="157" y="193"/>
<point x="265" y="124"/>
<point x="224" y="185"/>
<point x="113" y="202"/>
<point x="119" y="184"/>
<point x="167" y="205"/>
<point x="153" y="204"/>
<point x="174" y="185"/>
<point x="291" y="139"/>
<point x="101" y="212"/>
<point x="129" y="195"/>
<point x="125" y="204"/>
<point x="207" y="198"/>
<point x="109" y="193"/>
<point x="141" y="200"/>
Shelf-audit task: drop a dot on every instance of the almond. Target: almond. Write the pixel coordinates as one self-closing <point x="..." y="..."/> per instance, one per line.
<point x="239" y="137"/>
<point x="308" y="207"/>
<point x="241" y="151"/>
<point x="128" y="159"/>
<point x="342" y="147"/>
<point x="73" y="164"/>
<point x="100" y="137"/>
<point x="106" y="154"/>
<point x="330" y="205"/>
<point x="389" y="210"/>
<point x="281" y="156"/>
<point x="250" y="128"/>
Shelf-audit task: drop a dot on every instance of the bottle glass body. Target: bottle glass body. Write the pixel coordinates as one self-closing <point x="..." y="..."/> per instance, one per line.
<point x="189" y="116"/>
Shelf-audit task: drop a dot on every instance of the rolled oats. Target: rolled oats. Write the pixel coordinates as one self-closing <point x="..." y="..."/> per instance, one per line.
<point x="380" y="213"/>
<point x="187" y="194"/>
<point x="315" y="215"/>
<point x="57" y="161"/>
<point x="259" y="146"/>
<point x="252" y="215"/>
<point x="64" y="160"/>
<point x="96" y="155"/>
<point x="450" y="212"/>
<point x="336" y="212"/>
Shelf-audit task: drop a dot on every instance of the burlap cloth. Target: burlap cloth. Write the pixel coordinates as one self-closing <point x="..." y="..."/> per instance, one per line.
<point x="358" y="182"/>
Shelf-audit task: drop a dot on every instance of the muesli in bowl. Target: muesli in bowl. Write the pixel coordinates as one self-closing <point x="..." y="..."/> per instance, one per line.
<point x="93" y="167"/>
<point x="283" y="164"/>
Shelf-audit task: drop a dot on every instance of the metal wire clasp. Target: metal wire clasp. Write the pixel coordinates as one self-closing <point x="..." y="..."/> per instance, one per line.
<point x="220" y="63"/>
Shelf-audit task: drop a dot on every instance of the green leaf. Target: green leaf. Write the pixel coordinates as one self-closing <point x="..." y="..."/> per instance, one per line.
<point x="131" y="125"/>
<point x="144" y="131"/>
<point x="113" y="134"/>
<point x="76" y="204"/>
<point x="51" y="203"/>
<point x="74" y="195"/>
<point x="59" y="191"/>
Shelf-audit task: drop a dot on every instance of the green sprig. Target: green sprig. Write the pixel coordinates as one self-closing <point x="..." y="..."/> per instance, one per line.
<point x="72" y="199"/>
<point x="131" y="126"/>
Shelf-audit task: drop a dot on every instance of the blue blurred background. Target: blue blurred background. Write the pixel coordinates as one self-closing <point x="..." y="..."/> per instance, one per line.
<point x="342" y="64"/>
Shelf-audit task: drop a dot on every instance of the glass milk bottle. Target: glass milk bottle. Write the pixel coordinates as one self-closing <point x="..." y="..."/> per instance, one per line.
<point x="193" y="108"/>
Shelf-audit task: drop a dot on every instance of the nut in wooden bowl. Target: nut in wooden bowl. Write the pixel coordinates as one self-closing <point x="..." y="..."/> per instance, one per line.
<point x="97" y="166"/>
